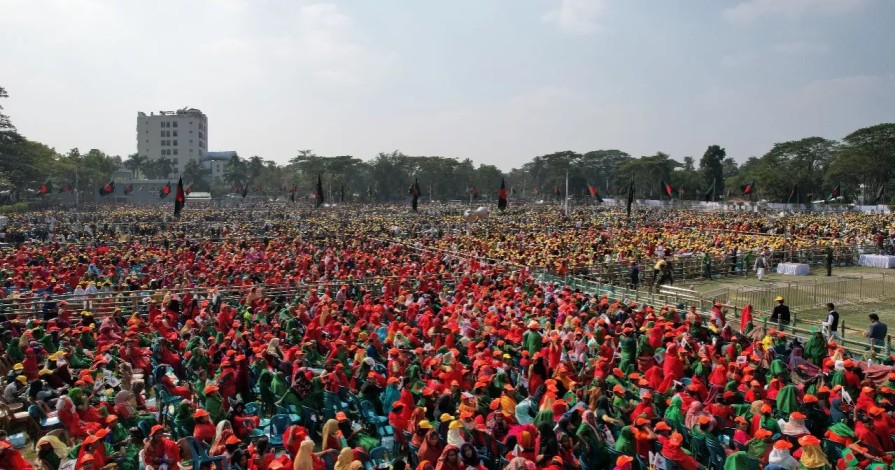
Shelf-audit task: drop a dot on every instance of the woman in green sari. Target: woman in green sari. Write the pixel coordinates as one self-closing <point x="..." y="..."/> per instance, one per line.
<point x="787" y="399"/>
<point x="625" y="441"/>
<point x="183" y="419"/>
<point x="674" y="415"/>
<point x="14" y="349"/>
<point x="737" y="461"/>
<point x="759" y="446"/>
<point x="816" y="348"/>
<point x="595" y="454"/>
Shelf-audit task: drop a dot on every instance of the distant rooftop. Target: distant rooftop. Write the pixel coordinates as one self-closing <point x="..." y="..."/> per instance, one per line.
<point x="219" y="155"/>
<point x="186" y="111"/>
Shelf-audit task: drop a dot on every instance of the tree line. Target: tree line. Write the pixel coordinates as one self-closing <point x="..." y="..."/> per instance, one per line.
<point x="862" y="163"/>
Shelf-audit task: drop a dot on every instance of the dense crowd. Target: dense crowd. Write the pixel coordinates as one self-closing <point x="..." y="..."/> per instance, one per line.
<point x="288" y="339"/>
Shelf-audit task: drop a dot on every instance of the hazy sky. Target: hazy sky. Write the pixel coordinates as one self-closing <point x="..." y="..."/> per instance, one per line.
<point x="498" y="81"/>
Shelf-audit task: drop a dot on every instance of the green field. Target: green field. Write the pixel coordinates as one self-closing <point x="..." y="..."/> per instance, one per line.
<point x="856" y="292"/>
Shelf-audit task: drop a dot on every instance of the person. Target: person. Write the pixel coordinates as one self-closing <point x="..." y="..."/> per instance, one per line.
<point x="781" y="312"/>
<point x="829" y="261"/>
<point x="761" y="263"/>
<point x="876" y="332"/>
<point x="831" y="326"/>
<point x="160" y="450"/>
<point x="635" y="275"/>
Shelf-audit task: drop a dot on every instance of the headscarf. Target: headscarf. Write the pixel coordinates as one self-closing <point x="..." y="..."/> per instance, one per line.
<point x="430" y="453"/>
<point x="756" y="448"/>
<point x="787" y="399"/>
<point x="329" y="428"/>
<point x="693" y="413"/>
<point x="469" y="461"/>
<point x="794" y="427"/>
<point x="304" y="459"/>
<point x="674" y="414"/>
<point x="346" y="456"/>
<point x="737" y="461"/>
<point x="59" y="448"/>
<point x="813" y="457"/>
<point x="783" y="458"/>
<point x="625" y="441"/>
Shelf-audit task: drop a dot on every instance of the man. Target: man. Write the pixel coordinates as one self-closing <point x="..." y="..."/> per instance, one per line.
<point x="832" y="324"/>
<point x="876" y="332"/>
<point x="16" y="391"/>
<point x="761" y="263"/>
<point x="635" y="275"/>
<point x="781" y="312"/>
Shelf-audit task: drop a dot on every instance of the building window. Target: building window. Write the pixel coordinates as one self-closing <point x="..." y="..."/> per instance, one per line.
<point x="175" y="151"/>
<point x="175" y="133"/>
<point x="175" y="123"/>
<point x="175" y="143"/>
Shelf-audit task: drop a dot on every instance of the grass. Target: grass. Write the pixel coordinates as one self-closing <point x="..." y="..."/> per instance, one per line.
<point x="854" y="299"/>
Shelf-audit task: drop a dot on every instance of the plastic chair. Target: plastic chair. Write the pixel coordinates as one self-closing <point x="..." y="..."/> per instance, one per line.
<point x="368" y="413"/>
<point x="832" y="449"/>
<point x="717" y="455"/>
<point x="379" y="456"/>
<point x="329" y="459"/>
<point x="278" y="425"/>
<point x="200" y="455"/>
<point x="699" y="449"/>
<point x="413" y="456"/>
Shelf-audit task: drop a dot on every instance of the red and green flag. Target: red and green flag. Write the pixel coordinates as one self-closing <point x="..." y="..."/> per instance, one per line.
<point x="109" y="188"/>
<point x="45" y="188"/>
<point x="179" y="198"/>
<point x="318" y="196"/>
<point x="414" y="194"/>
<point x="748" y="188"/>
<point x="667" y="189"/>
<point x="835" y="193"/>
<point x="165" y="191"/>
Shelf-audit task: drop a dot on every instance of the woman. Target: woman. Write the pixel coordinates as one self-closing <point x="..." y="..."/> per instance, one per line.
<point x="781" y="457"/>
<point x="674" y="415"/>
<point x="432" y="447"/>
<point x="625" y="441"/>
<point x="672" y="451"/>
<point x="795" y="427"/>
<point x="332" y="437"/>
<point x="760" y="446"/>
<point x="51" y="451"/>
<point x="306" y="459"/>
<point x="470" y="457"/>
<point x="596" y="453"/>
<point x="694" y="412"/>
<point x="449" y="459"/>
<point x="813" y="456"/>
<point x="346" y="456"/>
<point x="223" y="432"/>
<point x="203" y="430"/>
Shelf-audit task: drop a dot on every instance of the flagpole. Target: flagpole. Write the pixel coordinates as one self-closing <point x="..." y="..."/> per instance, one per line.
<point x="566" y="201"/>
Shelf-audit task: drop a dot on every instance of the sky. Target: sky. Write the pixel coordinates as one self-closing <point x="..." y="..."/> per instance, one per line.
<point x="496" y="81"/>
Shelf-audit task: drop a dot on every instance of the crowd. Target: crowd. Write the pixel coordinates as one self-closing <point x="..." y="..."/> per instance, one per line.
<point x="294" y="340"/>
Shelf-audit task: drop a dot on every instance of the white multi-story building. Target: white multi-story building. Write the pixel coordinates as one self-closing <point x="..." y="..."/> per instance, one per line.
<point x="216" y="163"/>
<point x="180" y="135"/>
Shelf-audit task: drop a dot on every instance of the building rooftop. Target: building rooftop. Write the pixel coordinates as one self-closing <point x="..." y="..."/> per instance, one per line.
<point x="219" y="155"/>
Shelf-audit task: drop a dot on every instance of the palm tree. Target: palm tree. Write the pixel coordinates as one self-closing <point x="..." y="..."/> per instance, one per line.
<point x="136" y="163"/>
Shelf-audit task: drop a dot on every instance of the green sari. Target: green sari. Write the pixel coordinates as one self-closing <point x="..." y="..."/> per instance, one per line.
<point x="787" y="399"/>
<point x="625" y="441"/>
<point x="756" y="448"/>
<point x="737" y="461"/>
<point x="674" y="415"/>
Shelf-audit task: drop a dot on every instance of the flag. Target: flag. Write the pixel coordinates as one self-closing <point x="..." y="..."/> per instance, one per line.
<point x="245" y="189"/>
<point x="793" y="193"/>
<point x="630" y="197"/>
<point x="836" y="192"/>
<point x="502" y="195"/>
<point x="189" y="189"/>
<point x="880" y="194"/>
<point x="748" y="188"/>
<point x="667" y="189"/>
<point x="709" y="195"/>
<point x="342" y="193"/>
<point x="318" y="196"/>
<point x="557" y="192"/>
<point x="64" y="188"/>
<point x="745" y="318"/>
<point x="179" y="198"/>
<point x="594" y="192"/>
<point x="129" y="189"/>
<point x="415" y="194"/>
<point x="680" y="192"/>
<point x="109" y="188"/>
<point x="165" y="191"/>
<point x="474" y="192"/>
<point x="45" y="188"/>
<point x="292" y="193"/>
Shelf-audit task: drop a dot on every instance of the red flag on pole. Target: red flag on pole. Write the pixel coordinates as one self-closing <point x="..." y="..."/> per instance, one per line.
<point x="745" y="318"/>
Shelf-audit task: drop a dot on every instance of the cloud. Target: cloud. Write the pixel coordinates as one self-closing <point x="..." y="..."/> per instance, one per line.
<point x="750" y="10"/>
<point x="800" y="48"/>
<point x="577" y="16"/>
<point x="739" y="60"/>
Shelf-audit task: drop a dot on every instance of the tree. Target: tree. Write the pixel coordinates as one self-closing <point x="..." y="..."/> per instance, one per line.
<point x="689" y="163"/>
<point x="867" y="156"/>
<point x="5" y="122"/>
<point x="712" y="167"/>
<point x="159" y="168"/>
<point x="196" y="175"/>
<point x="254" y="167"/>
<point x="135" y="163"/>
<point x="235" y="172"/>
